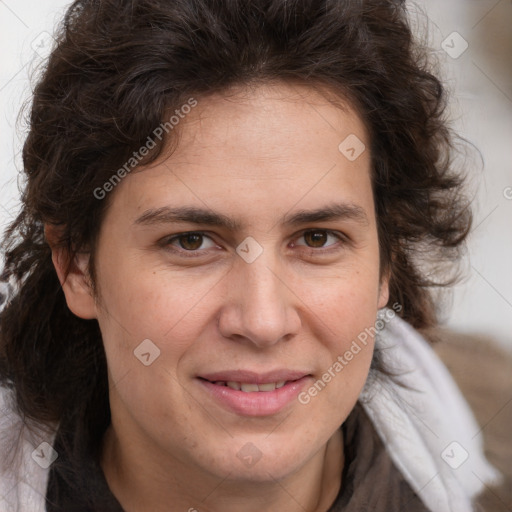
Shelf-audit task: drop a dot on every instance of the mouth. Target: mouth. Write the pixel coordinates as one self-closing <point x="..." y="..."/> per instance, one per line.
<point x="251" y="387"/>
<point x="251" y="394"/>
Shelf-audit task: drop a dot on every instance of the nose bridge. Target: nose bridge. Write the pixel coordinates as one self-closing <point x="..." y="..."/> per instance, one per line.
<point x="262" y="288"/>
<point x="260" y="307"/>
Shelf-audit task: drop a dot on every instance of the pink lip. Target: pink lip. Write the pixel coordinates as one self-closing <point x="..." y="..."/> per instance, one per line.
<point x="259" y="403"/>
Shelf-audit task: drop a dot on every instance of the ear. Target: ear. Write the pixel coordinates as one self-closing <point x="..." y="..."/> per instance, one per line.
<point x="73" y="276"/>
<point x="384" y="290"/>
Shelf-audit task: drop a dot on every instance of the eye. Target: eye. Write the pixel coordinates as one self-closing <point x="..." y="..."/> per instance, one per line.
<point x="318" y="238"/>
<point x="192" y="241"/>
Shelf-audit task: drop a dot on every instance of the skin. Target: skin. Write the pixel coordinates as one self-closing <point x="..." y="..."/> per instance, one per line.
<point x="254" y="156"/>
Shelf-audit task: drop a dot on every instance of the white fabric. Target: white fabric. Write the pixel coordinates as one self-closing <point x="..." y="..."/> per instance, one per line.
<point x="425" y="419"/>
<point x="22" y="480"/>
<point x="416" y="423"/>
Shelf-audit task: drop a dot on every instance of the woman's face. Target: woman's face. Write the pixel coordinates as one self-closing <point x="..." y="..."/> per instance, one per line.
<point x="236" y="273"/>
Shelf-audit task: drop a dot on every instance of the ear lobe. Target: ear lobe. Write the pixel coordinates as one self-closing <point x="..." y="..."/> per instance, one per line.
<point x="383" y="291"/>
<point x="73" y="276"/>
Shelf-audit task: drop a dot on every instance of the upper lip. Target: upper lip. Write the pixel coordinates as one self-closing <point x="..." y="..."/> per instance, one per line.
<point x="252" y="377"/>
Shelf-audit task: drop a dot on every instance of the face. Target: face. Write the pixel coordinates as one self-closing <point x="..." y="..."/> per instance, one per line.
<point x="233" y="275"/>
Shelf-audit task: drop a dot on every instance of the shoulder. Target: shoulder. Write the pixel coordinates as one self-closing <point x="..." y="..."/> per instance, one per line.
<point x="424" y="421"/>
<point x="483" y="371"/>
<point x="25" y="455"/>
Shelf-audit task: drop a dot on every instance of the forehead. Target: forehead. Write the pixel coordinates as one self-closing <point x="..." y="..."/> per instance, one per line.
<point x="271" y="124"/>
<point x="270" y="146"/>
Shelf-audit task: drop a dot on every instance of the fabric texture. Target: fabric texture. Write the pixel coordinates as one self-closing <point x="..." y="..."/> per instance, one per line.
<point x="420" y="417"/>
<point x="23" y="474"/>
<point x="425" y="422"/>
<point x="370" y="481"/>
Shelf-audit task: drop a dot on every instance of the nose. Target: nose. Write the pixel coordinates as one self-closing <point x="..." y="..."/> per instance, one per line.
<point x="260" y="306"/>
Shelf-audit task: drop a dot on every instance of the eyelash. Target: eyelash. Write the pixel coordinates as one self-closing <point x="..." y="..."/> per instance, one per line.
<point x="166" y="243"/>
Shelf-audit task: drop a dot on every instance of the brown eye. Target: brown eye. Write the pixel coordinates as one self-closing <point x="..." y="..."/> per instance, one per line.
<point x="193" y="243"/>
<point x="315" y="238"/>
<point x="190" y="241"/>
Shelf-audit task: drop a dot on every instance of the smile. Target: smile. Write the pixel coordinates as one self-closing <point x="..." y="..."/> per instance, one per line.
<point x="254" y="395"/>
<point x="250" y="387"/>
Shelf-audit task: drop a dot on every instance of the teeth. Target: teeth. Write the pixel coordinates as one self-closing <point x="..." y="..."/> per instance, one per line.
<point x="267" y="387"/>
<point x="250" y="387"/>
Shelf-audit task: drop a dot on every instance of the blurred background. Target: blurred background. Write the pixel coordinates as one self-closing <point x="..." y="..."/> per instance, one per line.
<point x="473" y="42"/>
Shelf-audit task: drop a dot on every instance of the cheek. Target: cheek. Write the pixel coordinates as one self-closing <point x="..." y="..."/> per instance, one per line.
<point x="348" y="340"/>
<point x="145" y="316"/>
<point x="347" y="302"/>
<point x="347" y="311"/>
<point x="145" y="301"/>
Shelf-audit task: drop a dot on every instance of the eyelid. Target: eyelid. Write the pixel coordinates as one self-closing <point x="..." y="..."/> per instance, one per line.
<point x="166" y="242"/>
<point x="340" y="236"/>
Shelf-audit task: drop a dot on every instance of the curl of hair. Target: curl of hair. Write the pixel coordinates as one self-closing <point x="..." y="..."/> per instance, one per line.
<point x="118" y="66"/>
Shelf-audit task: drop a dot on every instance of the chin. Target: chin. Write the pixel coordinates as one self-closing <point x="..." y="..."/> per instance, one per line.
<point x="250" y="465"/>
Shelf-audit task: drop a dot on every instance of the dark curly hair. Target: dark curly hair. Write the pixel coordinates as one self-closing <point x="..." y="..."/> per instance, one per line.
<point x="119" y="65"/>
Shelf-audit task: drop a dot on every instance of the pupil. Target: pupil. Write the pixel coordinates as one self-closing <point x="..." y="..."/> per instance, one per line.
<point x="191" y="242"/>
<point x="315" y="238"/>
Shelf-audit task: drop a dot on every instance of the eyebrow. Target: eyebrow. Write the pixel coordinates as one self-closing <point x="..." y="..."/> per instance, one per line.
<point x="190" y="214"/>
<point x="195" y="215"/>
<point x="337" y="211"/>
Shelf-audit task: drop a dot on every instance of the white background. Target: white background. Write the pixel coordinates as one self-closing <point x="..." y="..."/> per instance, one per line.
<point x="480" y="80"/>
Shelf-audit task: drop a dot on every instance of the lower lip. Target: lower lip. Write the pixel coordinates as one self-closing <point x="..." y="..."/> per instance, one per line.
<point x="257" y="403"/>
